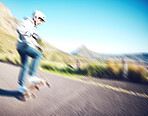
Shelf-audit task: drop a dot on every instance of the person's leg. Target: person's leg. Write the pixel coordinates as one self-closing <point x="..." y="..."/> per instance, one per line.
<point x="36" y="56"/>
<point x="23" y="72"/>
<point x="34" y="66"/>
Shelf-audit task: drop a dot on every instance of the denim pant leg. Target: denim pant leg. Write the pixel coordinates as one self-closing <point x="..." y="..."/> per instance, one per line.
<point x="36" y="56"/>
<point x="25" y="62"/>
<point x="25" y="51"/>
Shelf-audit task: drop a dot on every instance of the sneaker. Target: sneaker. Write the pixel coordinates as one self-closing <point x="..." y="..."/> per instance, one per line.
<point x="22" y="88"/>
<point x="34" y="80"/>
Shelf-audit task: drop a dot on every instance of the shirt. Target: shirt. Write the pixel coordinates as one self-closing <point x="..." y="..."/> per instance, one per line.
<point x="26" y="30"/>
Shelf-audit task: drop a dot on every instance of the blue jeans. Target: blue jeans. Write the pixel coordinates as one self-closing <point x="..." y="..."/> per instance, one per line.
<point x="25" y="52"/>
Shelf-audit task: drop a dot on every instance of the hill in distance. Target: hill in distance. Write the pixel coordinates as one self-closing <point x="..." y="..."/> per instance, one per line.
<point x="85" y="52"/>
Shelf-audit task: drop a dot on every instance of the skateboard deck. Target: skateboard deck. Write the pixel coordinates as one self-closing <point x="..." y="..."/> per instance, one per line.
<point x="32" y="88"/>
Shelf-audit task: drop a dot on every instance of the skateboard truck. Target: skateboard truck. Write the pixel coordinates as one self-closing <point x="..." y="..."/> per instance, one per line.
<point x="32" y="88"/>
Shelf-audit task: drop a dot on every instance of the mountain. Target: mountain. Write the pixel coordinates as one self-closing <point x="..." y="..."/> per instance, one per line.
<point x="9" y="37"/>
<point x="8" y="23"/>
<point x="85" y="52"/>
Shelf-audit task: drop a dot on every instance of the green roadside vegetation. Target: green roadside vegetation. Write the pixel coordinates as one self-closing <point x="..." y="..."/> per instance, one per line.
<point x="56" y="61"/>
<point x="135" y="73"/>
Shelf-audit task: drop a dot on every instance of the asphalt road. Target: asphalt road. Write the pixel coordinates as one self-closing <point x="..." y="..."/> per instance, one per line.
<point x="72" y="97"/>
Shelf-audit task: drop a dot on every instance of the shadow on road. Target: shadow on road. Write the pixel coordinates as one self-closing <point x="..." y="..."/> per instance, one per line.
<point x="11" y="93"/>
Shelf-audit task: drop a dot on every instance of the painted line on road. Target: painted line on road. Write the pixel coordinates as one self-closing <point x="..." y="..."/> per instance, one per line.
<point x="113" y="88"/>
<point x="109" y="87"/>
<point x="119" y="89"/>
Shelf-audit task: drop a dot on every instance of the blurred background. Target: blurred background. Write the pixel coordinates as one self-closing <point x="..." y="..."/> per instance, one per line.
<point x="93" y="38"/>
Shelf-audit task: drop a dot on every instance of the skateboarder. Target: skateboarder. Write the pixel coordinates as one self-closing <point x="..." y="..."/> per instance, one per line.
<point x="27" y="47"/>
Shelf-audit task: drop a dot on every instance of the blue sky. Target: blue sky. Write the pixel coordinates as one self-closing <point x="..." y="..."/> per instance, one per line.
<point x="104" y="26"/>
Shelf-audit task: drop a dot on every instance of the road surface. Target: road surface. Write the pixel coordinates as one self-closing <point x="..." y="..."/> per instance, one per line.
<point x="72" y="97"/>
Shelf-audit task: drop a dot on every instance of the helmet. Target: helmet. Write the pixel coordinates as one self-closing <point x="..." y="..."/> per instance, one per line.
<point x="38" y="14"/>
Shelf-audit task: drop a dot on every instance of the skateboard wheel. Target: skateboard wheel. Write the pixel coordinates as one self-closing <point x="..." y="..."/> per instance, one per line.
<point x="23" y="99"/>
<point x="33" y="96"/>
<point x="37" y="88"/>
<point x="47" y="84"/>
<point x="27" y="96"/>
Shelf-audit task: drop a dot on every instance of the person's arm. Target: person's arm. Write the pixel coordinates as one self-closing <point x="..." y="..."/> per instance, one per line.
<point x="36" y="37"/>
<point x="38" y="40"/>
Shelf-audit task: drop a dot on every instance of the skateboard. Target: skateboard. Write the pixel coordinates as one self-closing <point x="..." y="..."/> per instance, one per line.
<point x="32" y="88"/>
